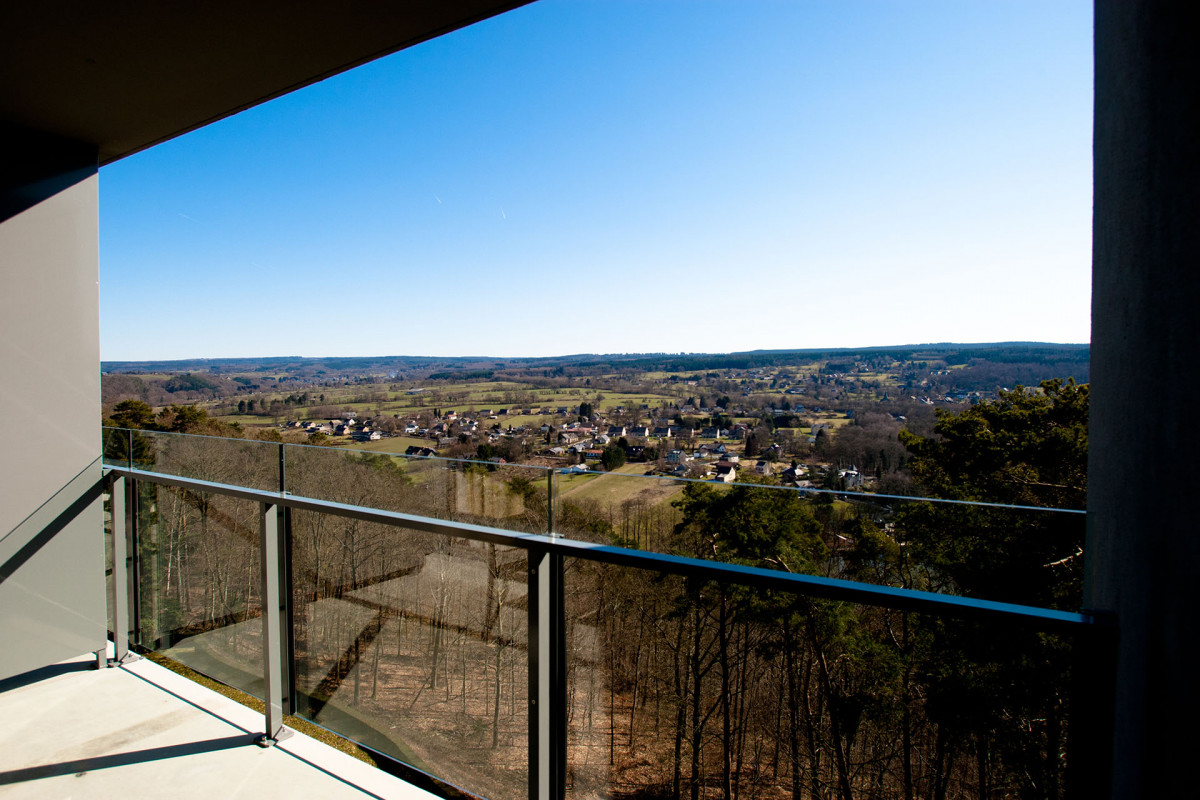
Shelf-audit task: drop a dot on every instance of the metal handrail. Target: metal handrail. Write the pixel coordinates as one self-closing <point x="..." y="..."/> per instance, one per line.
<point x="721" y="571"/>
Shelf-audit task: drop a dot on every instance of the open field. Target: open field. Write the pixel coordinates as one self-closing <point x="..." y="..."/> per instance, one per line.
<point x="394" y="444"/>
<point x="462" y="398"/>
<point x="623" y="485"/>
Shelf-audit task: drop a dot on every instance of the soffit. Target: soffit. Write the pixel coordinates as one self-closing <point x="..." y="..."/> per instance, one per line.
<point x="127" y="75"/>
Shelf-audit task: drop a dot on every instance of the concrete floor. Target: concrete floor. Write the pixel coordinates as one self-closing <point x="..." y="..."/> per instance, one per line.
<point x="68" y="731"/>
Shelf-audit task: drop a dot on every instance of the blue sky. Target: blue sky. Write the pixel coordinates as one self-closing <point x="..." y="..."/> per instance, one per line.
<point x="611" y="176"/>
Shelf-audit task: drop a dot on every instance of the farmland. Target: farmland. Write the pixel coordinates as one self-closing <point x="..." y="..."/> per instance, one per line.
<point x="835" y="412"/>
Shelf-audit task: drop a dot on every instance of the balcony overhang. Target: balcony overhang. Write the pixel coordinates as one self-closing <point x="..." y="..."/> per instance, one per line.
<point x="126" y="76"/>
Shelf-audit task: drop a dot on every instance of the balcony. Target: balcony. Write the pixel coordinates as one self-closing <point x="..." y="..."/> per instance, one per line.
<point x="86" y="86"/>
<point x="430" y="611"/>
<point x="142" y="730"/>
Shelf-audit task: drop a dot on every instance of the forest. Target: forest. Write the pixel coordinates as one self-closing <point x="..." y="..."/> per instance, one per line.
<point x="415" y="644"/>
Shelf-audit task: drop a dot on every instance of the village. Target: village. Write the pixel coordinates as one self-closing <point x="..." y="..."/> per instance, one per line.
<point x="803" y="419"/>
<point x="580" y="439"/>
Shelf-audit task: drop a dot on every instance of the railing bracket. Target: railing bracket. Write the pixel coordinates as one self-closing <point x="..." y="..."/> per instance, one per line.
<point x="280" y="735"/>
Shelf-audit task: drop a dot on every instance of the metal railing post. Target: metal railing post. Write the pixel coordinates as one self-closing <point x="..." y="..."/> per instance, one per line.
<point x="547" y="677"/>
<point x="134" y="531"/>
<point x="550" y="501"/>
<point x="120" y="573"/>
<point x="288" y="627"/>
<point x="275" y="671"/>
<point x="123" y="494"/>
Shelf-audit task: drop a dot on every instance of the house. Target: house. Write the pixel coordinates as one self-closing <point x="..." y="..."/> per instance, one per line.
<point x="763" y="467"/>
<point x="592" y="455"/>
<point x="417" y="450"/>
<point x="726" y="473"/>
<point x="793" y="474"/>
<point x="640" y="432"/>
<point x="617" y="431"/>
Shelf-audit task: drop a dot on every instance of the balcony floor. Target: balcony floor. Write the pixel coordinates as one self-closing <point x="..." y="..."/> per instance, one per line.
<point x="143" y="731"/>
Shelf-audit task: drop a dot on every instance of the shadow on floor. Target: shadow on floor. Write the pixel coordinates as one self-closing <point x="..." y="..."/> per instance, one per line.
<point x="124" y="759"/>
<point x="44" y="673"/>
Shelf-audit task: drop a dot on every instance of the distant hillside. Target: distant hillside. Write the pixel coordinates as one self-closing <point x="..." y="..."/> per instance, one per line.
<point x="951" y="353"/>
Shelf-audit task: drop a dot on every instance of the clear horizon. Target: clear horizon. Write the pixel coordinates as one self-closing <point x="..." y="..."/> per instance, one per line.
<point x="486" y="356"/>
<point x="618" y="177"/>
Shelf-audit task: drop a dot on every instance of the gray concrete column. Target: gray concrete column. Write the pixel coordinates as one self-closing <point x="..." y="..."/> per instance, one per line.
<point x="1143" y="553"/>
<point x="52" y="602"/>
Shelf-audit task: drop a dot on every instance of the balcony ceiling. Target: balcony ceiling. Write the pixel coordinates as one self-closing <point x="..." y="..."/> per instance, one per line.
<point x="125" y="76"/>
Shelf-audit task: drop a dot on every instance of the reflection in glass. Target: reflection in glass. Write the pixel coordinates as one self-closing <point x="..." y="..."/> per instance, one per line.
<point x="415" y="645"/>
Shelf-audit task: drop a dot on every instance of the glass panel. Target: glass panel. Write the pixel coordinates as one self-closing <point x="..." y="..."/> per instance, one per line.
<point x="415" y="645"/>
<point x="500" y="495"/>
<point x="116" y="444"/>
<point x="679" y="688"/>
<point x="199" y="587"/>
<point x="1030" y="556"/>
<point x="630" y="506"/>
<point x="240" y="462"/>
